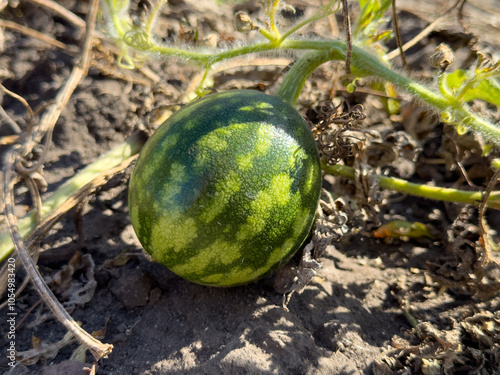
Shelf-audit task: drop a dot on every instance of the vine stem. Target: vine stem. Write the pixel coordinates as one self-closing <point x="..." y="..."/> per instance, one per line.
<point x="294" y="82"/>
<point x="295" y="79"/>
<point x="363" y="64"/>
<point x="113" y="158"/>
<point x="423" y="191"/>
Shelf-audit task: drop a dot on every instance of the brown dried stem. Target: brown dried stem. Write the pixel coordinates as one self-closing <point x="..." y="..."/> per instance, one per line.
<point x="429" y="29"/>
<point x="97" y="348"/>
<point x="22" y="100"/>
<point x="482" y="220"/>
<point x="398" y="35"/>
<point x="348" y="35"/>
<point x="32" y="33"/>
<point x="14" y="157"/>
<point x="67" y="196"/>
<point x="7" y="139"/>
<point x="76" y="199"/>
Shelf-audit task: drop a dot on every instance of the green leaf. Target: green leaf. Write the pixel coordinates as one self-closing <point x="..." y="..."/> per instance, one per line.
<point x="454" y="80"/>
<point x="489" y="91"/>
<point x="372" y="14"/>
<point x="486" y="89"/>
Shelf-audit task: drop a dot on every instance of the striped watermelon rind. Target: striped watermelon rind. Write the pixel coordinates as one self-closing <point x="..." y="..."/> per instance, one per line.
<point x="226" y="190"/>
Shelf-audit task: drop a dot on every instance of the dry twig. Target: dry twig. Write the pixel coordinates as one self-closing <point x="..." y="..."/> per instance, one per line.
<point x="398" y="35"/>
<point x="22" y="100"/>
<point x="32" y="33"/>
<point x="14" y="157"/>
<point x="348" y="35"/>
<point x="391" y="55"/>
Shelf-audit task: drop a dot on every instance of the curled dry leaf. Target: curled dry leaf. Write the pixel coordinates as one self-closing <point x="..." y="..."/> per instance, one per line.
<point x="44" y="351"/>
<point x="396" y="150"/>
<point x="75" y="291"/>
<point x="74" y="284"/>
<point x="470" y="347"/>
<point x="483" y="329"/>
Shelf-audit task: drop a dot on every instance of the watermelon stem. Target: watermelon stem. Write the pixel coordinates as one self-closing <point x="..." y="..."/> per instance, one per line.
<point x="295" y="79"/>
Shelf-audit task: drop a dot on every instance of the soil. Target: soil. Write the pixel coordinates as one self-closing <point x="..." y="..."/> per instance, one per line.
<point x="376" y="306"/>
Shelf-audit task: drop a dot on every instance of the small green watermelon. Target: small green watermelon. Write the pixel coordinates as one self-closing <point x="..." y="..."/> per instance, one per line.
<point x="226" y="190"/>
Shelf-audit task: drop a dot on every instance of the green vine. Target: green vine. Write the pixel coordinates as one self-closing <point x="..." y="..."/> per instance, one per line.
<point x="296" y="78"/>
<point x="452" y="105"/>
<point x="424" y="191"/>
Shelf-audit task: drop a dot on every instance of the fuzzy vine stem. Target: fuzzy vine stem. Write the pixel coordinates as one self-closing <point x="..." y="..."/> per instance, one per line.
<point x="324" y="11"/>
<point x="456" y="111"/>
<point x="364" y="64"/>
<point x="367" y="64"/>
<point x="295" y="79"/>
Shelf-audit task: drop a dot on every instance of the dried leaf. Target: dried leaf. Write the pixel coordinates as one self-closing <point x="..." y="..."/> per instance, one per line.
<point x="44" y="351"/>
<point x="402" y="228"/>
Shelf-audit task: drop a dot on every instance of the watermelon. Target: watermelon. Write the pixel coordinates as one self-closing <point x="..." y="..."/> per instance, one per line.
<point x="225" y="191"/>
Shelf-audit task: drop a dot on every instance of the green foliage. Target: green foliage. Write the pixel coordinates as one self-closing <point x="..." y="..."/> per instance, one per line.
<point x="487" y="89"/>
<point x="367" y="23"/>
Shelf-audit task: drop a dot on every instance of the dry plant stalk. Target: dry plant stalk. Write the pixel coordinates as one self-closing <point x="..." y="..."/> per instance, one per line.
<point x="487" y="242"/>
<point x="347" y="27"/>
<point x="429" y="29"/>
<point x="10" y="178"/>
<point x="32" y="33"/>
<point x="397" y="34"/>
<point x="76" y="199"/>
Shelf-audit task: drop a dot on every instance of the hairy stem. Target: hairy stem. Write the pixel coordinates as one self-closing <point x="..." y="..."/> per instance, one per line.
<point x="363" y="64"/>
<point x="297" y="76"/>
